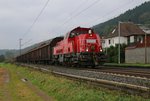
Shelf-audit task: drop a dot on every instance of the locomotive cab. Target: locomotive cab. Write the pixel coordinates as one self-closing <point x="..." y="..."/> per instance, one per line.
<point x="89" y="48"/>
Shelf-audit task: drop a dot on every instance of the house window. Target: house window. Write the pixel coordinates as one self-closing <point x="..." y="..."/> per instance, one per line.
<point x="140" y="39"/>
<point x="131" y="39"/>
<point x="109" y="41"/>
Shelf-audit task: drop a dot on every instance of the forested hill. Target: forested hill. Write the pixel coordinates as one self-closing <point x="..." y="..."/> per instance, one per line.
<point x="138" y="15"/>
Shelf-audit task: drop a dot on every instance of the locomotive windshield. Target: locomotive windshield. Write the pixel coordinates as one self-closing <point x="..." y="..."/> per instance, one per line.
<point x="80" y="31"/>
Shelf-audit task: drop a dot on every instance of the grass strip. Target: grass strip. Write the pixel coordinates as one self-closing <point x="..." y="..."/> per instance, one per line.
<point x="63" y="89"/>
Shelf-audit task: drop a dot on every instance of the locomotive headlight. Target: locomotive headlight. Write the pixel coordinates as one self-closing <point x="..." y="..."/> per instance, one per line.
<point x="87" y="49"/>
<point x="101" y="50"/>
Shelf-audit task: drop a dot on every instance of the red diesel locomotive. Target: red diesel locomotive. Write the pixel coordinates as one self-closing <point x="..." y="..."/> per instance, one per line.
<point x="81" y="46"/>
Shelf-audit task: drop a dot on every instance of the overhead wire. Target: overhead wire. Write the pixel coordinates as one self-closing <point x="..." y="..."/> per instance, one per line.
<point x="77" y="14"/>
<point x="79" y="6"/>
<point x="81" y="11"/>
<point x="27" y="42"/>
<point x="36" y="19"/>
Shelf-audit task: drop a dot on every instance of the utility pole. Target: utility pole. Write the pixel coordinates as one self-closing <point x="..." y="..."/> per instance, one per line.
<point x="119" y="42"/>
<point x="145" y="48"/>
<point x="20" y="45"/>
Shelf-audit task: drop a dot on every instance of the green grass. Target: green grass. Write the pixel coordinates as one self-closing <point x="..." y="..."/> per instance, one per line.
<point x="63" y="89"/>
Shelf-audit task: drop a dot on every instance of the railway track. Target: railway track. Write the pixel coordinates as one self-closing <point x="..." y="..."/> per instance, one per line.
<point x="115" y="80"/>
<point x="123" y="71"/>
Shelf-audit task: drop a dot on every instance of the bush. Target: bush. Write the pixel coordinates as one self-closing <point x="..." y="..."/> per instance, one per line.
<point x="112" y="53"/>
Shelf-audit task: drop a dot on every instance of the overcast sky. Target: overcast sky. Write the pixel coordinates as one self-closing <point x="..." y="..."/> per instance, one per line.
<point x="60" y="16"/>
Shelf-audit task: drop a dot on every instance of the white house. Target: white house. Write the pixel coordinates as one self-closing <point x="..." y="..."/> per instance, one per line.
<point x="129" y="33"/>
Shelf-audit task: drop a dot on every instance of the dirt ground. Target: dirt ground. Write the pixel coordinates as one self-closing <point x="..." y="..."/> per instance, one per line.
<point x="4" y="79"/>
<point x="15" y="88"/>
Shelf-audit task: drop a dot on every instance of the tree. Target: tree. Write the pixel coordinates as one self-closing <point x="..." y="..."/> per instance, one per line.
<point x="9" y="55"/>
<point x="2" y="58"/>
